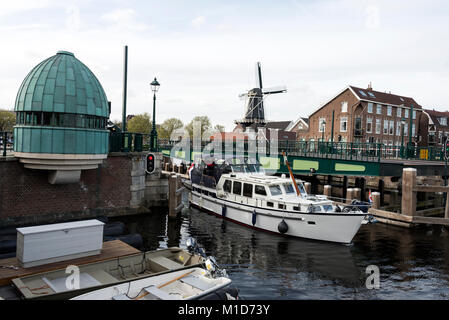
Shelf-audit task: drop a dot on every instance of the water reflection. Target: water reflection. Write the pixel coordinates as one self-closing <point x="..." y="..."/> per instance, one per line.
<point x="414" y="264"/>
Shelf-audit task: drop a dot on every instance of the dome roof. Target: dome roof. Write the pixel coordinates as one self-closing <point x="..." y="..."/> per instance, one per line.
<point x="62" y="83"/>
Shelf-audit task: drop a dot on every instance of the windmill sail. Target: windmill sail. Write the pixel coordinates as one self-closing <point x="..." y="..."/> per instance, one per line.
<point x="255" y="112"/>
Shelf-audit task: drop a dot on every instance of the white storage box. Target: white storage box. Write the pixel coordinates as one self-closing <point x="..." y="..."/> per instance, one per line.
<point x="58" y="242"/>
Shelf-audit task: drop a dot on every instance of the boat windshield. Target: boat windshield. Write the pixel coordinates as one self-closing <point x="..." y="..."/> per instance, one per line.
<point x="289" y="188"/>
<point x="275" y="190"/>
<point x="302" y="190"/>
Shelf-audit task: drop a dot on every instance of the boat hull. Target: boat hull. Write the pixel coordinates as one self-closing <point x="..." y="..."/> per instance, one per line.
<point x="333" y="227"/>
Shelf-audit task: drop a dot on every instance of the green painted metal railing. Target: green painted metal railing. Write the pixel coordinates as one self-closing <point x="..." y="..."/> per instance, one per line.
<point x="371" y="152"/>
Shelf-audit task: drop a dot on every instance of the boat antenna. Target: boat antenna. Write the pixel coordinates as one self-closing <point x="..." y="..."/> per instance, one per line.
<point x="291" y="173"/>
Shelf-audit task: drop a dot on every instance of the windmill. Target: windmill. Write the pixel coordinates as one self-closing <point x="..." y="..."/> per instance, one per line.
<point x="255" y="113"/>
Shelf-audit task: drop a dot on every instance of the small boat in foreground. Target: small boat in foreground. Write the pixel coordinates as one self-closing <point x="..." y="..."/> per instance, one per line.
<point x="190" y="284"/>
<point x="97" y="275"/>
<point x="239" y="190"/>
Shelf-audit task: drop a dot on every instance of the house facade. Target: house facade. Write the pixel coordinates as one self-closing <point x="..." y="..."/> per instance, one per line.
<point x="366" y="116"/>
<point x="434" y="126"/>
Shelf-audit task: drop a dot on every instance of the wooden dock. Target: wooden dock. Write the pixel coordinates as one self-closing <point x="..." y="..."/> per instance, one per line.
<point x="111" y="249"/>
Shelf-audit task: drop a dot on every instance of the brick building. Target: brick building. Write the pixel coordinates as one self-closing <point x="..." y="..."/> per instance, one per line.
<point x="365" y="115"/>
<point x="434" y="128"/>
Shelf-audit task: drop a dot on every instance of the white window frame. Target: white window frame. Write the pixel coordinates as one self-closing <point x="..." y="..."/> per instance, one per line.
<point x="320" y="126"/>
<point x="378" y="126"/>
<point x="406" y="113"/>
<point x="414" y="114"/>
<point x="385" y="130"/>
<point x="389" y="110"/>
<point x="370" y="107"/>
<point x="391" y="128"/>
<point x="344" y="106"/>
<point x="343" y="120"/>
<point x="399" y="112"/>
<point x="398" y="128"/>
<point x="378" y="109"/>
<point x="369" y="121"/>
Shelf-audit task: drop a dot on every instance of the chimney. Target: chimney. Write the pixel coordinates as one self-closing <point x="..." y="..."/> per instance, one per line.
<point x="370" y="86"/>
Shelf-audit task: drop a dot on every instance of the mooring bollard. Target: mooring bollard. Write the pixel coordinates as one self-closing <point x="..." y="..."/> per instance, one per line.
<point x="175" y="189"/>
<point x="349" y="195"/>
<point x="408" y="195"/>
<point x="327" y="190"/>
<point x="357" y="192"/>
<point x="376" y="200"/>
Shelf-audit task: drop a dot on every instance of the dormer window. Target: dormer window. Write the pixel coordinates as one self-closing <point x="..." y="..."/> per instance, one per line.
<point x="442" y="121"/>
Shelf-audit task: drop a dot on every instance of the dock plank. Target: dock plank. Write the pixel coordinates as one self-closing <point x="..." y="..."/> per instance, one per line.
<point x="111" y="249"/>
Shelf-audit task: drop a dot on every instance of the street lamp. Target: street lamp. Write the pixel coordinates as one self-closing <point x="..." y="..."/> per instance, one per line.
<point x="323" y="127"/>
<point x="402" y="136"/>
<point x="153" y="136"/>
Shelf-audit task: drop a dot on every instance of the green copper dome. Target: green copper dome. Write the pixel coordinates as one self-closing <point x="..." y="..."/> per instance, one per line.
<point x="63" y="84"/>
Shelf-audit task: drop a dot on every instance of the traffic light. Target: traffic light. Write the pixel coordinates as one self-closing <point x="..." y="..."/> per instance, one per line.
<point x="151" y="162"/>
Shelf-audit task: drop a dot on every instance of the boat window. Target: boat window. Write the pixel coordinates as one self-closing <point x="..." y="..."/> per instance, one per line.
<point x="301" y="188"/>
<point x="327" y="207"/>
<point x="289" y="188"/>
<point x="260" y="190"/>
<point x="237" y="168"/>
<point x="248" y="190"/>
<point x="281" y="206"/>
<point x="275" y="190"/>
<point x="227" y="186"/>
<point x="237" y="188"/>
<point x="297" y="208"/>
<point x="270" y="204"/>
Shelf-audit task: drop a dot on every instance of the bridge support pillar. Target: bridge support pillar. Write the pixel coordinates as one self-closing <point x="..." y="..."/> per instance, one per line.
<point x="381" y="188"/>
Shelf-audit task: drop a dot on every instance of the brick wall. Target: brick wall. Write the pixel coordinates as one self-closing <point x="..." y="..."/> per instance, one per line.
<point x="26" y="193"/>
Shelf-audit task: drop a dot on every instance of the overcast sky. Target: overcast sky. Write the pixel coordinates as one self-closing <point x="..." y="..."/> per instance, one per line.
<point x="204" y="52"/>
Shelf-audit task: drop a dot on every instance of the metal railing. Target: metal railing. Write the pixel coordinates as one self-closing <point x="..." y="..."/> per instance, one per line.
<point x="373" y="152"/>
<point x="6" y="142"/>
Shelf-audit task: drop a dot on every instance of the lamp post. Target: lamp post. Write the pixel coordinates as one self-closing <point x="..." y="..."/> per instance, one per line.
<point x="402" y="137"/>
<point x="409" y="146"/>
<point x="323" y="127"/>
<point x="153" y="136"/>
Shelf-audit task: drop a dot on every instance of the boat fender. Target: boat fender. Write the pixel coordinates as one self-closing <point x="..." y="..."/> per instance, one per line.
<point x="254" y="217"/>
<point x="283" y="226"/>
<point x="223" y="211"/>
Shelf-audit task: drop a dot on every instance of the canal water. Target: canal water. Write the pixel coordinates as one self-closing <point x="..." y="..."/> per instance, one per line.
<point x="413" y="264"/>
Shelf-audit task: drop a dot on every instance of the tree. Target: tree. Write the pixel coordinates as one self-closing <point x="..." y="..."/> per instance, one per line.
<point x="168" y="126"/>
<point x="203" y="121"/>
<point x="7" y="120"/>
<point x="140" y="123"/>
<point x="219" y="128"/>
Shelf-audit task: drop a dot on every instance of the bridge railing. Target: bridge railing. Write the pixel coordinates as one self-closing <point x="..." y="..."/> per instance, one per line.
<point x="6" y="142"/>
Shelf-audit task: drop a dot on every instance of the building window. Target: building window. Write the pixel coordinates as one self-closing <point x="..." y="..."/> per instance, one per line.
<point x="343" y="124"/>
<point x="378" y="126"/>
<point x="385" y="126"/>
<point x="398" y="128"/>
<point x="369" y="125"/>
<point x="344" y="106"/>
<point x="391" y="132"/>
<point x="442" y="121"/>
<point x="57" y="119"/>
<point x="399" y="112"/>
<point x="405" y="129"/>
<point x="414" y="114"/>
<point x="389" y="110"/>
<point x="379" y="109"/>
<point x="413" y="129"/>
<point x="370" y="107"/>
<point x="406" y="113"/>
<point x="322" y="125"/>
